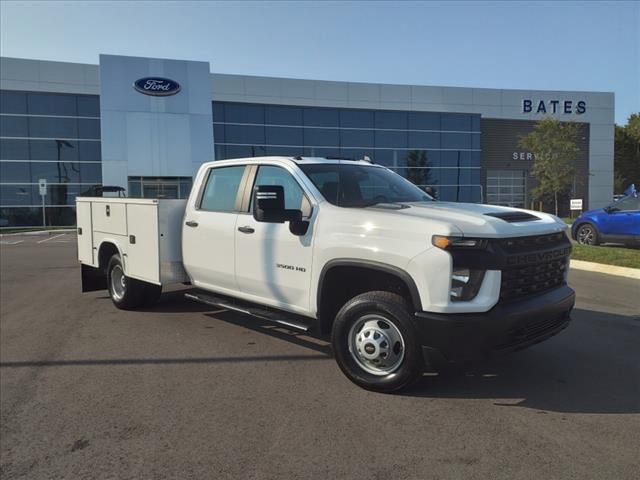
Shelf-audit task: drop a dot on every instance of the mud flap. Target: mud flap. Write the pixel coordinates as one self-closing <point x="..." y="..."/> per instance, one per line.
<point x="93" y="279"/>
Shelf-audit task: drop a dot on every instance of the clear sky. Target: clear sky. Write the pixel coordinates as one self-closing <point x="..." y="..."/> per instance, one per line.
<point x="537" y="45"/>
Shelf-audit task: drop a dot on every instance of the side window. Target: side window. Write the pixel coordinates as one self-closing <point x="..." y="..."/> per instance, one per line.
<point x="628" y="204"/>
<point x="294" y="197"/>
<point x="221" y="189"/>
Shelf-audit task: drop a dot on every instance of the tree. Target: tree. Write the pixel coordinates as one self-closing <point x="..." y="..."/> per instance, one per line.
<point x="418" y="168"/>
<point x="627" y="153"/>
<point x="555" y="148"/>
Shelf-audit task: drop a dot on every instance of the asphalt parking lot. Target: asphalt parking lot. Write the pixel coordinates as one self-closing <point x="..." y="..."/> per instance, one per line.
<point x="183" y="391"/>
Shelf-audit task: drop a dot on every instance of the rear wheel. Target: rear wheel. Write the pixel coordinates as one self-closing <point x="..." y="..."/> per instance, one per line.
<point x="126" y="293"/>
<point x="374" y="342"/>
<point x="587" y="235"/>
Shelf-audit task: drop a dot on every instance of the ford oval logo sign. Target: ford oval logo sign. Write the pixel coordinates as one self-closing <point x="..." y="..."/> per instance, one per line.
<point x="156" y="86"/>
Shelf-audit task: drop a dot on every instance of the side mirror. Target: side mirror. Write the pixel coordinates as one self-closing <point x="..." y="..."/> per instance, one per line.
<point x="268" y="207"/>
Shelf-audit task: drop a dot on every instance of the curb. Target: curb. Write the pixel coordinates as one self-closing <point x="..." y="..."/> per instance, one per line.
<point x="38" y="232"/>
<point x="608" y="269"/>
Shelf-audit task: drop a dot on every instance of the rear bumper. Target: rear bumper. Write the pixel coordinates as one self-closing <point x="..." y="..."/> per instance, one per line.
<point x="506" y="327"/>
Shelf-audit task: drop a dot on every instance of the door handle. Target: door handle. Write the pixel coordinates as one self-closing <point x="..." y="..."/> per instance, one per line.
<point x="191" y="223"/>
<point x="246" y="229"/>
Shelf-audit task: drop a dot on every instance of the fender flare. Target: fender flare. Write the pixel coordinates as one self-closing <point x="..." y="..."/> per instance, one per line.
<point x="402" y="275"/>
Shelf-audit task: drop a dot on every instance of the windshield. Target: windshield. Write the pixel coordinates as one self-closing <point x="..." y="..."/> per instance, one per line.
<point x="352" y="185"/>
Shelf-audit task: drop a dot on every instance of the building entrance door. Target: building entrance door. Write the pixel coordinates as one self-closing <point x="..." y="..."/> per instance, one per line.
<point x="507" y="188"/>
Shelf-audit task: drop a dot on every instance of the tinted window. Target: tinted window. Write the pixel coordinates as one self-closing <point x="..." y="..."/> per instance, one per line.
<point x="51" y="104"/>
<point x="424" y="139"/>
<point x="15" y="172"/>
<point x="283" y="136"/>
<point x="88" y="105"/>
<point x="240" y="113"/>
<point x="356" y="138"/>
<point x="424" y="121"/>
<point x="46" y="127"/>
<point x="391" y="139"/>
<point x="321" y="117"/>
<point x="356" y="118"/>
<point x="456" y="121"/>
<point x="88" y="128"/>
<point x="627" y="204"/>
<point x="90" y="172"/>
<point x="277" y="115"/>
<point x="221" y="189"/>
<point x="18" y="195"/>
<point x="89" y="151"/>
<point x="218" y="112"/>
<point x="218" y="134"/>
<point x="456" y="140"/>
<point x="53" y="150"/>
<point x="55" y="172"/>
<point x="322" y="137"/>
<point x="14" y="149"/>
<point x="13" y="102"/>
<point x="11" y="126"/>
<point x="253" y="135"/>
<point x="397" y="120"/>
<point x="270" y="175"/>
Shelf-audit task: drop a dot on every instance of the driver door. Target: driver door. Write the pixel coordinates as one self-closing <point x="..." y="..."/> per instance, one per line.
<point x="273" y="266"/>
<point x="624" y="218"/>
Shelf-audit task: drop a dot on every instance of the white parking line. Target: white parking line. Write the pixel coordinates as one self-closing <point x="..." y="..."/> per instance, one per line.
<point x="10" y="242"/>
<point x="51" y="238"/>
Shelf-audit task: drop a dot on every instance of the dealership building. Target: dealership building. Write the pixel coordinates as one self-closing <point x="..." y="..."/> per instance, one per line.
<point x="146" y="125"/>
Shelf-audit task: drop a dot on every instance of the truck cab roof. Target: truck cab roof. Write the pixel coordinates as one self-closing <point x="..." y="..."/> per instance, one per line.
<point x="294" y="160"/>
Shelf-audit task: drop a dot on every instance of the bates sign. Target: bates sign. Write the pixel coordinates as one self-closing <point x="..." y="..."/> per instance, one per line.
<point x="156" y="86"/>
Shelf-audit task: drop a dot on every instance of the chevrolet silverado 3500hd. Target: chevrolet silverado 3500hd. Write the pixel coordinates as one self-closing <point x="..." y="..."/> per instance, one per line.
<point x="401" y="281"/>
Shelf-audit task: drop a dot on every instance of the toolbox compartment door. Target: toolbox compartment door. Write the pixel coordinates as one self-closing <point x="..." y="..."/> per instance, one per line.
<point x="85" y="233"/>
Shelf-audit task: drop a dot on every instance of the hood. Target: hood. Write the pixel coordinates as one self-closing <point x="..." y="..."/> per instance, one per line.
<point x="475" y="219"/>
<point x="591" y="212"/>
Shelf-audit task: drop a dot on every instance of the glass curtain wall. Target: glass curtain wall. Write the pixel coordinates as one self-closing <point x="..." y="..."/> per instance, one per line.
<point x="441" y="150"/>
<point x="55" y="137"/>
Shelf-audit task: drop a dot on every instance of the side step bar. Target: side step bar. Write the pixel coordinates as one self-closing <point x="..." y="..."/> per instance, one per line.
<point x="283" y="318"/>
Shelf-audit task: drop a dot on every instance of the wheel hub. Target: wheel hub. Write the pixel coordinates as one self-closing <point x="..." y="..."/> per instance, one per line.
<point x="376" y="345"/>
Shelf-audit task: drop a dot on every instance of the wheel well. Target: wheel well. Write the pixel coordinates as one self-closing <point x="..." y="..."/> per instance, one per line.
<point x="340" y="283"/>
<point x="107" y="250"/>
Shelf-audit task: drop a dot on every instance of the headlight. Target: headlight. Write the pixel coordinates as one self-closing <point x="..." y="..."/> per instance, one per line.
<point x="465" y="284"/>
<point x="447" y="243"/>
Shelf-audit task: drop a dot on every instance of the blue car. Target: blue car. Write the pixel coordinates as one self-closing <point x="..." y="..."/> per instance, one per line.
<point x="616" y="223"/>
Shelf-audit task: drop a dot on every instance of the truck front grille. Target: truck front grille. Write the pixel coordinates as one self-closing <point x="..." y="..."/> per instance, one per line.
<point x="518" y="282"/>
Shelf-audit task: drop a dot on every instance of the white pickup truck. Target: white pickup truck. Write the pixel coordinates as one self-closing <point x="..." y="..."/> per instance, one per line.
<point x="401" y="281"/>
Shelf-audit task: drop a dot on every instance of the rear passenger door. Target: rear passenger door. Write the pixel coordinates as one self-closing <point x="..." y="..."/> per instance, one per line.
<point x="208" y="238"/>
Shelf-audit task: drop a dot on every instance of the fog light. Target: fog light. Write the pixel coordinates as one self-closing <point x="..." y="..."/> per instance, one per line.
<point x="465" y="284"/>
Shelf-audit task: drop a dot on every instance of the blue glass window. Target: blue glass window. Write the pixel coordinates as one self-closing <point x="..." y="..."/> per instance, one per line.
<point x="218" y="112"/>
<point x="455" y="140"/>
<point x="51" y="104"/>
<point x="321" y="137"/>
<point x="11" y="126"/>
<point x="456" y="121"/>
<point x="88" y="105"/>
<point x="390" y="119"/>
<point x="251" y="134"/>
<point x="390" y="139"/>
<point x="356" y="138"/>
<point x="279" y="115"/>
<point x="15" y="172"/>
<point x="13" y="102"/>
<point x="356" y="118"/>
<point x="88" y="128"/>
<point x="291" y="136"/>
<point x="321" y="117"/>
<point x="244" y="113"/>
<point x="424" y="139"/>
<point x="424" y="121"/>
<point x="11" y="149"/>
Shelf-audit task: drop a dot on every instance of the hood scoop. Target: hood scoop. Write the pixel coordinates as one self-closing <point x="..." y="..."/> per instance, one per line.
<point x="513" y="217"/>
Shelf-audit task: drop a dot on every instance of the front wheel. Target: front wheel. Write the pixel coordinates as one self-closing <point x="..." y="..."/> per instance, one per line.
<point x="587" y="235"/>
<point x="374" y="342"/>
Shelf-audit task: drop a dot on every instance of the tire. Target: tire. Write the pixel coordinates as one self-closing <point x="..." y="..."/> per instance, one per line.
<point x="587" y="234"/>
<point x="126" y="293"/>
<point x="367" y="328"/>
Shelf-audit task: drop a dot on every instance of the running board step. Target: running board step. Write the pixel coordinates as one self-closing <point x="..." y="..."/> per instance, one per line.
<point x="277" y="316"/>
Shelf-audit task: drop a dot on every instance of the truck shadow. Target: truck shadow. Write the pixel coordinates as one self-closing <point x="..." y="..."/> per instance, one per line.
<point x="591" y="367"/>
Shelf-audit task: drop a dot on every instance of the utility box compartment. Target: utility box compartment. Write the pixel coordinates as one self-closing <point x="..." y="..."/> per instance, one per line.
<point x="146" y="232"/>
